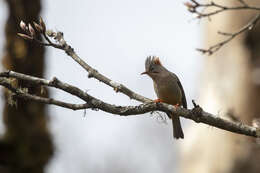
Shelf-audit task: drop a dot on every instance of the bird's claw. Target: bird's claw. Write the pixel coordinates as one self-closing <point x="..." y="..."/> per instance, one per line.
<point x="177" y="105"/>
<point x="158" y="101"/>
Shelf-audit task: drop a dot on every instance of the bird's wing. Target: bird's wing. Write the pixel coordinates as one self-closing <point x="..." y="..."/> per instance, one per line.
<point x="183" y="99"/>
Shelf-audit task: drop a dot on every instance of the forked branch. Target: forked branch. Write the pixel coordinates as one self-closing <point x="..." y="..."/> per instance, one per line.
<point x="91" y="102"/>
<point x="207" y="10"/>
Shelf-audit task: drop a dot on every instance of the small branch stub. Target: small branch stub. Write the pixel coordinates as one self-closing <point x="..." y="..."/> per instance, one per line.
<point x="196" y="112"/>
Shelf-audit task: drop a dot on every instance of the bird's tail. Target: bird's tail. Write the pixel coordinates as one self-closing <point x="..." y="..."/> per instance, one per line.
<point x="177" y="130"/>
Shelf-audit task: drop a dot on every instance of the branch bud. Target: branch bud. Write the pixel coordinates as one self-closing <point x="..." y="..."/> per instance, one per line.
<point x="24" y="36"/>
<point x="50" y="33"/>
<point x="38" y="27"/>
<point x="23" y="25"/>
<point x="191" y="7"/>
<point x="31" y="30"/>
<point x="42" y="24"/>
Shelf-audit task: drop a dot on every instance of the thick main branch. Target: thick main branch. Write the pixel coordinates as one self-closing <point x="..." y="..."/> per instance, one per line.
<point x="196" y="114"/>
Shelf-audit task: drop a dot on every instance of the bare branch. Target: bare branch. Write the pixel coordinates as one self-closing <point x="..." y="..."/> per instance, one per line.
<point x="199" y="9"/>
<point x="230" y="36"/>
<point x="20" y="93"/>
<point x="243" y="2"/>
<point x="196" y="114"/>
<point x="62" y="44"/>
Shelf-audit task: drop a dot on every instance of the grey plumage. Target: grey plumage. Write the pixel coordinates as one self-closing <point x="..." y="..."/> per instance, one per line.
<point x="168" y="88"/>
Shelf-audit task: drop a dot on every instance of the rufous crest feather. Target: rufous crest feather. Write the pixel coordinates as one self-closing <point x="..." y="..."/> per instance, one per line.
<point x="152" y="61"/>
<point x="156" y="60"/>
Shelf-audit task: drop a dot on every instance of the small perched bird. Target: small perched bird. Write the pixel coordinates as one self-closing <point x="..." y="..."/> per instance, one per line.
<point x="168" y="89"/>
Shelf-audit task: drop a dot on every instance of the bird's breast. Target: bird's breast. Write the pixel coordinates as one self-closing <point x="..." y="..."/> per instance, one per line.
<point x="168" y="91"/>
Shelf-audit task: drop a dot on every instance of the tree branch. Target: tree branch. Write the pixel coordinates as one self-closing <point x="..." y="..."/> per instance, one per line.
<point x="21" y="93"/>
<point x="62" y="44"/>
<point x="230" y="36"/>
<point x="196" y="114"/>
<point x="199" y="9"/>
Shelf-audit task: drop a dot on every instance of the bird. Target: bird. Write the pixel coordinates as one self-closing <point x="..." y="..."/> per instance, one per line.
<point x="168" y="89"/>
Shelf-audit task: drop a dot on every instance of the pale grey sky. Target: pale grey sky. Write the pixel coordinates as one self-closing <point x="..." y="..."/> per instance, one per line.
<point x="115" y="37"/>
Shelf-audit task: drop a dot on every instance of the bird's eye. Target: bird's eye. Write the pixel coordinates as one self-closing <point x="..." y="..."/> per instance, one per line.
<point x="153" y="70"/>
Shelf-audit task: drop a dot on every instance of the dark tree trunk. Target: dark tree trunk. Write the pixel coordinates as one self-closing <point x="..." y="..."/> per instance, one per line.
<point x="27" y="145"/>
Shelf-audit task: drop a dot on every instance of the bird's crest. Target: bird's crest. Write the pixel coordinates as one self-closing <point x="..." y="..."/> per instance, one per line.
<point x="156" y="60"/>
<point x="152" y="61"/>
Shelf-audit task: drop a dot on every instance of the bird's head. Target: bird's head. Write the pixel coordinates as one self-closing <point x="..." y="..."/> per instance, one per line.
<point x="153" y="67"/>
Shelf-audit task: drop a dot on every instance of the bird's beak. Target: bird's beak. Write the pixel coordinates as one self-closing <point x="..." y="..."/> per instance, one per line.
<point x="144" y="73"/>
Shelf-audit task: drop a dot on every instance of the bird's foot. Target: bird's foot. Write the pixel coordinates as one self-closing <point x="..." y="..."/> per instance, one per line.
<point x="158" y="101"/>
<point x="177" y="105"/>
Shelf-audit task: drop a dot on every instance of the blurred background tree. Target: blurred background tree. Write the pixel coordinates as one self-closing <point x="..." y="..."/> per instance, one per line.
<point x="230" y="84"/>
<point x="231" y="80"/>
<point x="26" y="145"/>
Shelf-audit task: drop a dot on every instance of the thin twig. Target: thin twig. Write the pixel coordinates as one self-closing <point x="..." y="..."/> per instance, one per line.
<point x="26" y="96"/>
<point x="199" y="9"/>
<point x="62" y="44"/>
<point x="230" y="36"/>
